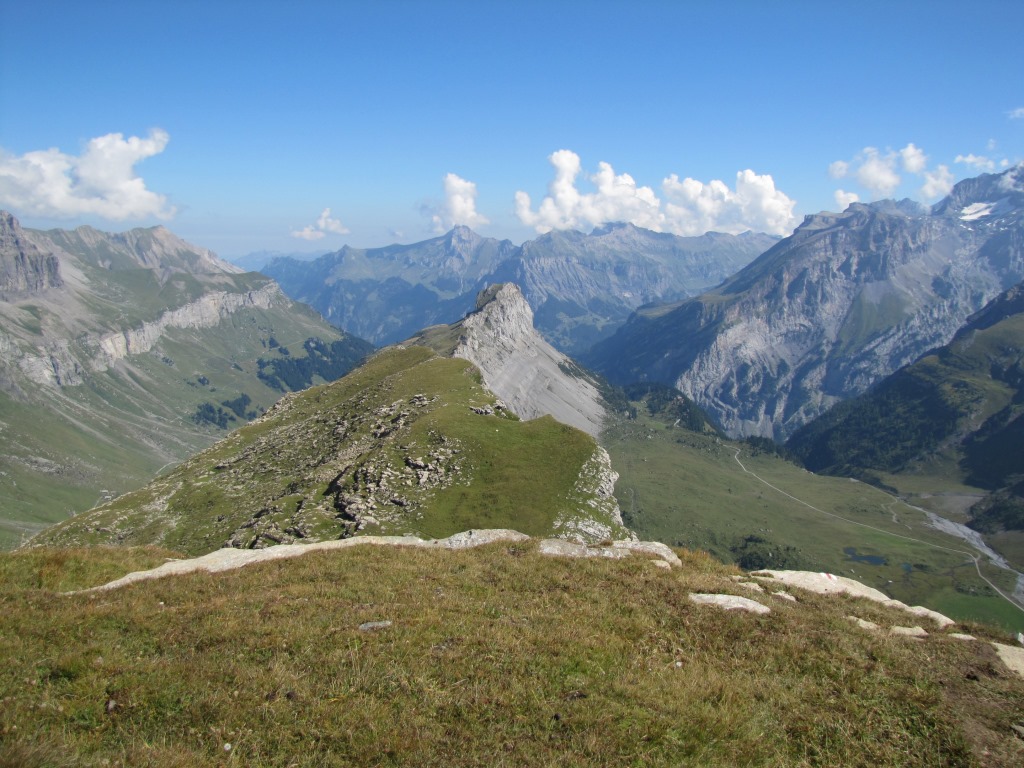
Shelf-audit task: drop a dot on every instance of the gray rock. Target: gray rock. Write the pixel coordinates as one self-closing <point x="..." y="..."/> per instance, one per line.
<point x="522" y="369"/>
<point x="566" y="548"/>
<point x="864" y="623"/>
<point x="228" y="559"/>
<point x="730" y="603"/>
<point x="915" y="632"/>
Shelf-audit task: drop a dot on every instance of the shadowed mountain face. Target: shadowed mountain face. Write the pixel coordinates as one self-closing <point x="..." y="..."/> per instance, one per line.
<point x="580" y="287"/>
<point x="844" y="301"/>
<point x="959" y="406"/>
<point x="120" y="353"/>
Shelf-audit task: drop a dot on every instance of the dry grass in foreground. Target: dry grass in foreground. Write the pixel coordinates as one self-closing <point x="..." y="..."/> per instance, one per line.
<point x="495" y="656"/>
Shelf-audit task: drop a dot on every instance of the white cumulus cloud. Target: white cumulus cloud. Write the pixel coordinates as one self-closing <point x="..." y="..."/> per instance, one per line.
<point x="755" y="203"/>
<point x="459" y="207"/>
<point x="1013" y="181"/>
<point x="100" y="182"/>
<point x="978" y="162"/>
<point x="838" y="169"/>
<point x="325" y="224"/>
<point x="914" y="160"/>
<point x="1017" y="114"/>
<point x="690" y="207"/>
<point x="877" y="172"/>
<point x="844" y="199"/>
<point x="937" y="183"/>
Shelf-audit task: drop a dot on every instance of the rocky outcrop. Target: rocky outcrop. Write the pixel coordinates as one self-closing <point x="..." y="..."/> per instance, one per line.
<point x="830" y="584"/>
<point x="24" y="267"/>
<point x="844" y="301"/>
<point x="230" y="559"/>
<point x="208" y="311"/>
<point x="530" y="375"/>
<point x="596" y="516"/>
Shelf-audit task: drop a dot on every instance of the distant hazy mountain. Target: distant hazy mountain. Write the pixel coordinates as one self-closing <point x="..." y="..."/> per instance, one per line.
<point x="387" y="294"/>
<point x="257" y="260"/>
<point x="413" y="442"/>
<point x="581" y="287"/>
<point x="843" y="302"/>
<point x="120" y="353"/>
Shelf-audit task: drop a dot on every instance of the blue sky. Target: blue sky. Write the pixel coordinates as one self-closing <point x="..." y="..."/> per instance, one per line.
<point x="236" y="124"/>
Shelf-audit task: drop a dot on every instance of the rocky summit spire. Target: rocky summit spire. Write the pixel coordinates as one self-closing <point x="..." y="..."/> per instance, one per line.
<point x="24" y="268"/>
<point x="531" y="376"/>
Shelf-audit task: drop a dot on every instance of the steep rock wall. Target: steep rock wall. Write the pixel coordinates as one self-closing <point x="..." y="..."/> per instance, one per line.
<point x="530" y="375"/>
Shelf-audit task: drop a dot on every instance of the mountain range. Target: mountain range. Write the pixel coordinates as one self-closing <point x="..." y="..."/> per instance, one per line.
<point x="581" y="286"/>
<point x="122" y="353"/>
<point x="456" y="520"/>
<point x="819" y="317"/>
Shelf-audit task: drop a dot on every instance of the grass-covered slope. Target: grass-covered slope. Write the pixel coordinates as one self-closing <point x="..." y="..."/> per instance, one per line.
<point x="744" y="504"/>
<point x="496" y="656"/>
<point x="68" y="447"/>
<point x="951" y="421"/>
<point x="123" y="353"/>
<point x="394" y="447"/>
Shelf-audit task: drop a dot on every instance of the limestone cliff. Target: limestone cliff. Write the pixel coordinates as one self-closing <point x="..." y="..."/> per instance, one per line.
<point x="530" y="375"/>
<point x="24" y="267"/>
<point x="206" y="312"/>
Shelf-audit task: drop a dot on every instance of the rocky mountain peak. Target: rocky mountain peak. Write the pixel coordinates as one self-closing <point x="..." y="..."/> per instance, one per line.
<point x="984" y="195"/>
<point x="843" y="302"/>
<point x="531" y="376"/>
<point x="463" y="243"/>
<point x="24" y="268"/>
<point x="157" y="247"/>
<point x="503" y="311"/>
<point x="460" y="233"/>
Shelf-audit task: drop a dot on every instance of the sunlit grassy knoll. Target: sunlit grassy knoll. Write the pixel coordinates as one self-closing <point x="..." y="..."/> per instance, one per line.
<point x="496" y="656"/>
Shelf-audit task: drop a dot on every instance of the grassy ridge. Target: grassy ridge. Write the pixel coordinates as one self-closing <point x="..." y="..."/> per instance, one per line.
<point x="496" y="656"/>
<point x="393" y="448"/>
